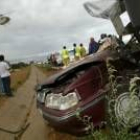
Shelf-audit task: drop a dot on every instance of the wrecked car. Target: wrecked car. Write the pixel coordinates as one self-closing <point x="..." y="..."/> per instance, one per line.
<point x="81" y="88"/>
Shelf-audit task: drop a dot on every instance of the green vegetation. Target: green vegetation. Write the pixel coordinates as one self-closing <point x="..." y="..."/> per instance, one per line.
<point x="47" y="69"/>
<point x="19" y="65"/>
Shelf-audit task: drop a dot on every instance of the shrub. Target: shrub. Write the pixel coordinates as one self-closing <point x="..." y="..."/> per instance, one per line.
<point x="18" y="65"/>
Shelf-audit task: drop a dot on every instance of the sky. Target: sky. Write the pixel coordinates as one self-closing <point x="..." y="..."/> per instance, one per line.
<point x="38" y="27"/>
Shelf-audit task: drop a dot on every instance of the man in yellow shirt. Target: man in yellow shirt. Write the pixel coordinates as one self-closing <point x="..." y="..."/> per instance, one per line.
<point x="77" y="52"/>
<point x="82" y="50"/>
<point x="65" y="56"/>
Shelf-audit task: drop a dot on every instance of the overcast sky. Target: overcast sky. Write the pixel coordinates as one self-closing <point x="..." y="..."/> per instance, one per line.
<point x="41" y="26"/>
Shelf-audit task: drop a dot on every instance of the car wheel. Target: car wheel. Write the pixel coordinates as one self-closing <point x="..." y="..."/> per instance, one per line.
<point x="127" y="110"/>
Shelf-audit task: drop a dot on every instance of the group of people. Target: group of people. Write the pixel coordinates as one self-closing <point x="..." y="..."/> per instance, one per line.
<point x="104" y="42"/>
<point x="5" y="77"/>
<point x="78" y="52"/>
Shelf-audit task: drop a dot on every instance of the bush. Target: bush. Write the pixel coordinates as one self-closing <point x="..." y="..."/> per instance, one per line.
<point x="19" y="65"/>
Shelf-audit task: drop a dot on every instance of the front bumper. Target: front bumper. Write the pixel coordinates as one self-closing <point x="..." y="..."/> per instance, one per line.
<point x="67" y="121"/>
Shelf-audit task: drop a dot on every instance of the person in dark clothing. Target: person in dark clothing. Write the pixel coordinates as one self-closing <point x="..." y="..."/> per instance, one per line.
<point x="102" y="39"/>
<point x="93" y="46"/>
<point x="74" y="50"/>
<point x="1" y="88"/>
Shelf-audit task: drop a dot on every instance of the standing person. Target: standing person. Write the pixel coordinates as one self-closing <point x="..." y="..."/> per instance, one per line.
<point x="74" y="49"/>
<point x="77" y="52"/>
<point x="83" y="50"/>
<point x="5" y="76"/>
<point x="102" y="39"/>
<point x="93" y="46"/>
<point x="1" y="88"/>
<point x="106" y="42"/>
<point x="65" y="56"/>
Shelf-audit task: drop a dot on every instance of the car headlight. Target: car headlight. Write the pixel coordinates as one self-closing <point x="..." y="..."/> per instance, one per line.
<point x="41" y="95"/>
<point x="60" y="102"/>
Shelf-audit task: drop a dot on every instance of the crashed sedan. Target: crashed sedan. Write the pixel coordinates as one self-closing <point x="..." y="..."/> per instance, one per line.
<point x="81" y="88"/>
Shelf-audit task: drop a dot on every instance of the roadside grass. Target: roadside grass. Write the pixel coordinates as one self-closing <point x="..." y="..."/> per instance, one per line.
<point x="18" y="77"/>
<point x="47" y="69"/>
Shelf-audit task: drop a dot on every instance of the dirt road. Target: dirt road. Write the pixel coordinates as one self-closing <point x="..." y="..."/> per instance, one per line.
<point x="19" y="118"/>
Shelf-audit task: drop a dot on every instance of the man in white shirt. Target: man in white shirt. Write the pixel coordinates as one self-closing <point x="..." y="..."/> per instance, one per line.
<point x="5" y="76"/>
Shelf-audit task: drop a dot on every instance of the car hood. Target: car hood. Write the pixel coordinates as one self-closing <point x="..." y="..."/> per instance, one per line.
<point x="97" y="57"/>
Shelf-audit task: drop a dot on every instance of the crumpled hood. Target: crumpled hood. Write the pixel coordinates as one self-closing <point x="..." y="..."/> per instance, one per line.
<point x="97" y="57"/>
